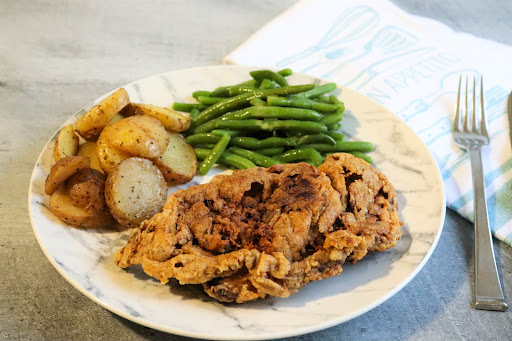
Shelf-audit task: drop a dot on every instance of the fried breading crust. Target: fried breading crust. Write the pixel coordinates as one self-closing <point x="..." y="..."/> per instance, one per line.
<point x="260" y="232"/>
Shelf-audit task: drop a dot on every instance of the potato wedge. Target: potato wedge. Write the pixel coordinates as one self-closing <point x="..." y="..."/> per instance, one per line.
<point x="139" y="135"/>
<point x="88" y="149"/>
<point x="171" y="119"/>
<point x="108" y="156"/>
<point x="135" y="191"/>
<point x="116" y="118"/>
<point x="62" y="170"/>
<point x="66" y="143"/>
<point x="93" y="121"/>
<point x="178" y="164"/>
<point x="86" y="189"/>
<point x="61" y="205"/>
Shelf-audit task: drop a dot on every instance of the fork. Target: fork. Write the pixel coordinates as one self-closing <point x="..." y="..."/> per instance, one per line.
<point x="470" y="133"/>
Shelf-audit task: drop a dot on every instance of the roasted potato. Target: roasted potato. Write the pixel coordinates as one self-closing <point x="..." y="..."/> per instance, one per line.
<point x="86" y="189"/>
<point x="171" y="119"/>
<point x="88" y="149"/>
<point x="92" y="122"/>
<point x="61" y="205"/>
<point x="108" y="156"/>
<point x="116" y="118"/>
<point x="139" y="135"/>
<point x="178" y="164"/>
<point x="135" y="191"/>
<point x="66" y="143"/>
<point x="62" y="170"/>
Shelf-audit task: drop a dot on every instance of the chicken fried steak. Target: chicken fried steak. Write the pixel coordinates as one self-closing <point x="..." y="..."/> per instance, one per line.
<point x="260" y="232"/>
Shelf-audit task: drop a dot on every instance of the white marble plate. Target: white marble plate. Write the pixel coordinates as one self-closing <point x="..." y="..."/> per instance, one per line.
<point x="85" y="256"/>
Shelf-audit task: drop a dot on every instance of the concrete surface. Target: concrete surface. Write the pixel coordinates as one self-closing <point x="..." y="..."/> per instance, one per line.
<point x="56" y="56"/>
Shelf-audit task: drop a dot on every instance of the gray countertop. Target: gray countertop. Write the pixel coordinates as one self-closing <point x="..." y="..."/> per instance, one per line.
<point x="56" y="56"/>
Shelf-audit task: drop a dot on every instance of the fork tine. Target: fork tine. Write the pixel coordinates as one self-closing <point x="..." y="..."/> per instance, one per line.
<point x="465" y="125"/>
<point x="457" y="120"/>
<point x="483" y="121"/>
<point x="474" y="118"/>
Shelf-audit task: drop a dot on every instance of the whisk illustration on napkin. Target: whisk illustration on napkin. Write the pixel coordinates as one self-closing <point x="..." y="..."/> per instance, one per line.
<point x="388" y="41"/>
<point x="351" y="25"/>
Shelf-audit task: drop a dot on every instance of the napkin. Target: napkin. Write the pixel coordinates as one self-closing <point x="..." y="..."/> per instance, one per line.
<point x="411" y="65"/>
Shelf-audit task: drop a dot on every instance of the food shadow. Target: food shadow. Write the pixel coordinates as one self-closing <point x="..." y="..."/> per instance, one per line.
<point x="349" y="125"/>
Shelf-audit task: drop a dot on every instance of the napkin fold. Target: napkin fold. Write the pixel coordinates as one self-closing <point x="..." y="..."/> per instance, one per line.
<point x="411" y="65"/>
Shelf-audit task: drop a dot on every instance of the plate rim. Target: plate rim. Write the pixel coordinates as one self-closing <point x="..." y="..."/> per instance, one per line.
<point x="274" y="335"/>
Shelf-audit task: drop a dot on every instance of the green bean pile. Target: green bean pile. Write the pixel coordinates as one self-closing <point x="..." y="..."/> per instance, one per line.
<point x="265" y="121"/>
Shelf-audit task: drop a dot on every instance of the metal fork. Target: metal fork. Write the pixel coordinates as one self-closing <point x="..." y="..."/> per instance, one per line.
<point x="470" y="133"/>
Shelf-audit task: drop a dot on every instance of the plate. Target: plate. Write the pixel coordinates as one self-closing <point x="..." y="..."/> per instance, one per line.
<point x="85" y="256"/>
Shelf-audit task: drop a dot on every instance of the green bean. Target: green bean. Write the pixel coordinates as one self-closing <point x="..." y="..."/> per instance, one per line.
<point x="264" y="112"/>
<point x="285" y="72"/>
<point x="208" y="100"/>
<point x="334" y="127"/>
<point x="363" y="156"/>
<point x="203" y="138"/>
<point x="270" y="151"/>
<point x="211" y="125"/>
<point x="279" y="113"/>
<point x="323" y="99"/>
<point x="334" y="100"/>
<point x="268" y="84"/>
<point x="245" y="142"/>
<point x="257" y="102"/>
<point x="194" y="112"/>
<point x="300" y="154"/>
<point x="214" y="154"/>
<point x="271" y="125"/>
<point x="316" y="138"/>
<point x="242" y="89"/>
<point x="343" y="146"/>
<point x="188" y="107"/>
<point x="301" y="102"/>
<point x="204" y="128"/>
<point x="223" y="91"/>
<point x="269" y="142"/>
<point x="257" y="158"/>
<point x="260" y="75"/>
<point x="236" y="102"/>
<point x="196" y="94"/>
<point x="335" y="135"/>
<point x="331" y="119"/>
<point x="221" y="132"/>
<point x="319" y="90"/>
<point x="250" y="82"/>
<point x="226" y="158"/>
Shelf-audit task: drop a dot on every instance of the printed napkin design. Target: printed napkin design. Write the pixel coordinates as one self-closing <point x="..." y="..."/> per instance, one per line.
<point x="412" y="66"/>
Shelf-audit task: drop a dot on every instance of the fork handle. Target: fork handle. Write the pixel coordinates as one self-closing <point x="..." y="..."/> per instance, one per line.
<point x="487" y="287"/>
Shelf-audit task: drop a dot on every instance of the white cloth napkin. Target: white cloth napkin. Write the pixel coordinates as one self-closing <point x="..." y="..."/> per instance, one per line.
<point x="411" y="65"/>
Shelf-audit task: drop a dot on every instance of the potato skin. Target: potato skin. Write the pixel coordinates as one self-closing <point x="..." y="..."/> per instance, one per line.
<point x="179" y="162"/>
<point x="66" y="143"/>
<point x="62" y="170"/>
<point x="171" y="119"/>
<point x="92" y="122"/>
<point x="62" y="207"/>
<point x="86" y="189"/>
<point x="135" y="191"/>
<point x="139" y="135"/>
<point x="109" y="157"/>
